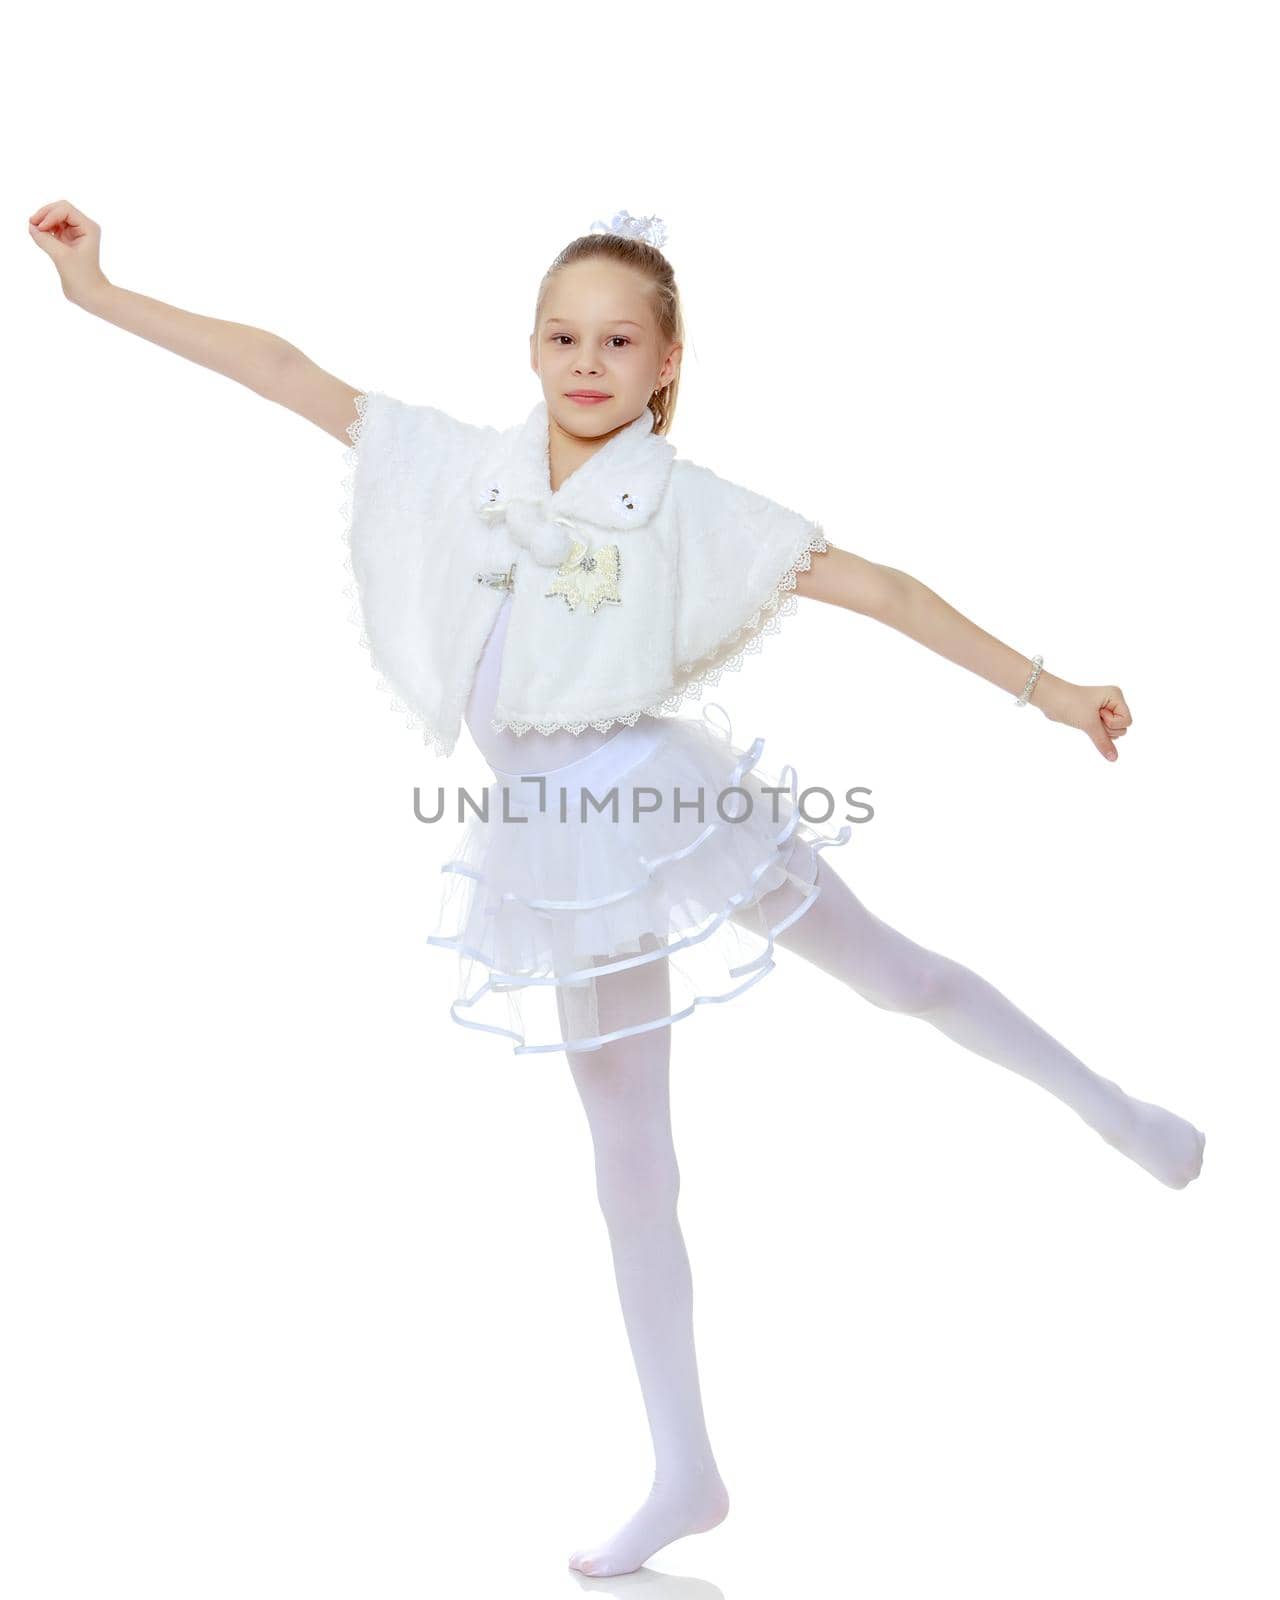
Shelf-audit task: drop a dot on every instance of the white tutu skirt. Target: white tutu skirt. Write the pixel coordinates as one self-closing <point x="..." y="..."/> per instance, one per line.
<point x="545" y="900"/>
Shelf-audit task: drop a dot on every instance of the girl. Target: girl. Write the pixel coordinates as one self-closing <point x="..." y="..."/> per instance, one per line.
<point x="561" y="586"/>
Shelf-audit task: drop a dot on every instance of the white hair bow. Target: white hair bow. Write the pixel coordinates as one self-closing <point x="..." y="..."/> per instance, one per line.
<point x="650" y="229"/>
<point x="545" y="538"/>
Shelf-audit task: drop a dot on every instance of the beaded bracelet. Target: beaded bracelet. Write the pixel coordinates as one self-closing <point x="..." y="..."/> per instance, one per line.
<point x="1036" y="663"/>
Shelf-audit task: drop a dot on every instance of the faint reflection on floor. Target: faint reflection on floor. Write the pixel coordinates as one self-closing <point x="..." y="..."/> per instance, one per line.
<point x="652" y="1585"/>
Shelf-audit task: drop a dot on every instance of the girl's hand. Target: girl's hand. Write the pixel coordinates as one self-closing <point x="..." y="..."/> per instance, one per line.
<point x="70" y="240"/>
<point x="1099" y="711"/>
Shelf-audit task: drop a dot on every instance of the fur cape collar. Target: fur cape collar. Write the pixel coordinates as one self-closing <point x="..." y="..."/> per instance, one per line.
<point x="617" y="489"/>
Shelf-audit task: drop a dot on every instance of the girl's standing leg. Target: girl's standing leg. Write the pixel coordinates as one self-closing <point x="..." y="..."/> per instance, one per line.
<point x="625" y="1091"/>
<point x="840" y="935"/>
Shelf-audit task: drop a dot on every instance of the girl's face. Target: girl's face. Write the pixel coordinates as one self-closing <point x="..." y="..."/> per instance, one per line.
<point x="597" y="333"/>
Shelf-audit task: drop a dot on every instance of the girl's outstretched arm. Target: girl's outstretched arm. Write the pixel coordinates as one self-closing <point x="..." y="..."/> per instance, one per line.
<point x="903" y="602"/>
<point x="262" y="361"/>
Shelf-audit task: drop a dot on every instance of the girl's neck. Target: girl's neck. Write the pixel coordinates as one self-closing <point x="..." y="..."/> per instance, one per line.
<point x="566" y="452"/>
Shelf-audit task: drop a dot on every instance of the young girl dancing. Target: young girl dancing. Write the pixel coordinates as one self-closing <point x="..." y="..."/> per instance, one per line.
<point x="563" y="586"/>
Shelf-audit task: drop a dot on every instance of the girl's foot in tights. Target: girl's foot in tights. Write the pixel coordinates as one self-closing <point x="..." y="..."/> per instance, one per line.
<point x="1170" y="1148"/>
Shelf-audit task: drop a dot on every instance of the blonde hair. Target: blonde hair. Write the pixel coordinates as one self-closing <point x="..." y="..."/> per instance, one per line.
<point x="650" y="262"/>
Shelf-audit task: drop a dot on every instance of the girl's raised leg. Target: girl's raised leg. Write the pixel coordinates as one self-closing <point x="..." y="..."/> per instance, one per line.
<point x="625" y="1090"/>
<point x="839" y="934"/>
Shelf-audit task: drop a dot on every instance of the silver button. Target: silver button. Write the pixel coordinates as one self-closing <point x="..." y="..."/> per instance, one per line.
<point x="498" y="580"/>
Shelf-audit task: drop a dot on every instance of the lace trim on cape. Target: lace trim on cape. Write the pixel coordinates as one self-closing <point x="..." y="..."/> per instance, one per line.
<point x="776" y="606"/>
<point x="351" y="458"/>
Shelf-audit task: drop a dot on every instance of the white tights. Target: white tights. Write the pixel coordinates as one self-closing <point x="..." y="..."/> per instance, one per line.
<point x="625" y="1091"/>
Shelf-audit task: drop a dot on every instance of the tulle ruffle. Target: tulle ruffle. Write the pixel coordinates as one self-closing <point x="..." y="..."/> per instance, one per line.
<point x="680" y="840"/>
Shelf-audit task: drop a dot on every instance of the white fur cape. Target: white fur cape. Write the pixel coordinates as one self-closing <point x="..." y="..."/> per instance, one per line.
<point x="644" y="577"/>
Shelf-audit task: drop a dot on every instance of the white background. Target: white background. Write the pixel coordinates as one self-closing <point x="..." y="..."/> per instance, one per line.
<point x="306" y="1288"/>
